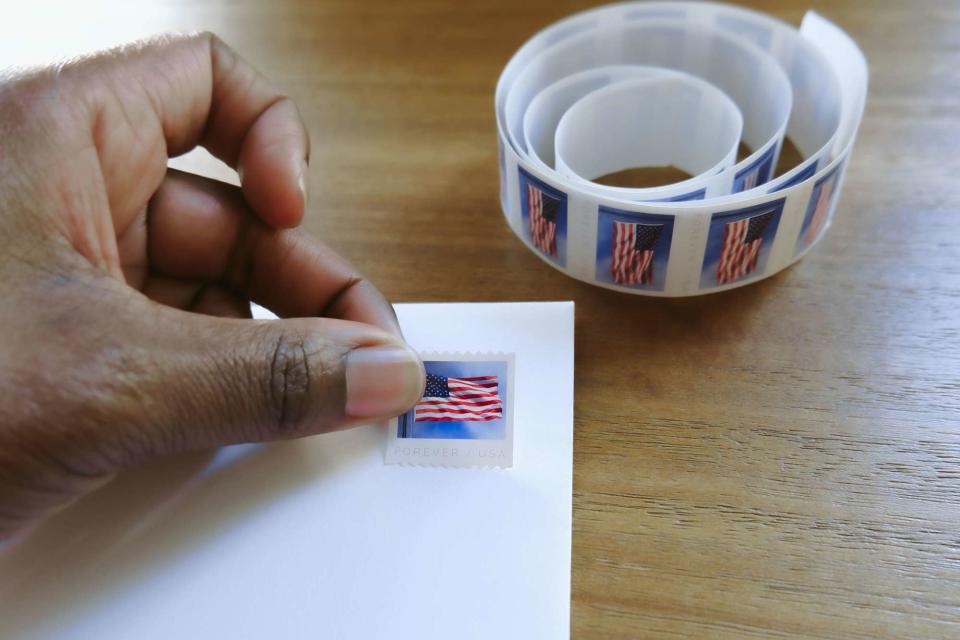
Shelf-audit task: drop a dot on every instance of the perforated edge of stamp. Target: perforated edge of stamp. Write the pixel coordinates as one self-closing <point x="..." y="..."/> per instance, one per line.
<point x="465" y="416"/>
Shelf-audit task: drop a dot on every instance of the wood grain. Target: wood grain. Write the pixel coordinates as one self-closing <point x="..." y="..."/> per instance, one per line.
<point x="777" y="461"/>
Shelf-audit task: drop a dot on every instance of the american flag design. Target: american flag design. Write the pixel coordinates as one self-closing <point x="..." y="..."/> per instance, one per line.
<point x="631" y="257"/>
<point x="543" y="209"/>
<point x="750" y="181"/>
<point x="742" y="241"/>
<point x="474" y="399"/>
<point x="820" y="209"/>
<point x="758" y="173"/>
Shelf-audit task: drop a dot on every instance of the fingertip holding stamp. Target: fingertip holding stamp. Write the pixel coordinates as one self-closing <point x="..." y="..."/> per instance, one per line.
<point x="464" y="418"/>
<point x="382" y="381"/>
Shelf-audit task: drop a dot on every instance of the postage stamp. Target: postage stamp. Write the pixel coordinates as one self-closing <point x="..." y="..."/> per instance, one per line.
<point x="819" y="209"/>
<point x="758" y="172"/>
<point x="739" y="243"/>
<point x="465" y="417"/>
<point x="633" y="248"/>
<point x="543" y="210"/>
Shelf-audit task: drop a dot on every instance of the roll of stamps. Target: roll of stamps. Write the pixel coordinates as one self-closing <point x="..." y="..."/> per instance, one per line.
<point x="682" y="84"/>
<point x="465" y="416"/>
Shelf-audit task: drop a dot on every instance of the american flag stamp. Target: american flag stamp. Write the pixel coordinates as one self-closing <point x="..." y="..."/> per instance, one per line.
<point x="633" y="248"/>
<point x="739" y="243"/>
<point x="463" y="419"/>
<point x="822" y="199"/>
<point x="543" y="210"/>
<point x="758" y="172"/>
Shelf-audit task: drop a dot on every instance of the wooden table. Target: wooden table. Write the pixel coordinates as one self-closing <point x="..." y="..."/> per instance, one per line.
<point x="782" y="460"/>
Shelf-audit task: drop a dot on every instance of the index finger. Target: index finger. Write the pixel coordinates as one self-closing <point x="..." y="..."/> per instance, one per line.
<point x="198" y="91"/>
<point x="201" y="230"/>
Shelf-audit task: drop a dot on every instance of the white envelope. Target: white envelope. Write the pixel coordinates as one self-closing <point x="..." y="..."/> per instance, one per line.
<point x="318" y="538"/>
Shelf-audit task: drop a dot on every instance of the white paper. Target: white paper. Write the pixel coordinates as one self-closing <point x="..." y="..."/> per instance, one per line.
<point x="637" y="122"/>
<point x="318" y="538"/>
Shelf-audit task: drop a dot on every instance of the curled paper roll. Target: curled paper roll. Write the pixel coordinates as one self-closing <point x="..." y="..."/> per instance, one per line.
<point x="682" y="84"/>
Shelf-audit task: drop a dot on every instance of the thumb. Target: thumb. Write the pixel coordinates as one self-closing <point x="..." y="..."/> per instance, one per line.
<point x="214" y="381"/>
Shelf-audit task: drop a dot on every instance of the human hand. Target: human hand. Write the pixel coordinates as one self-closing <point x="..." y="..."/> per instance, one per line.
<point x="125" y="285"/>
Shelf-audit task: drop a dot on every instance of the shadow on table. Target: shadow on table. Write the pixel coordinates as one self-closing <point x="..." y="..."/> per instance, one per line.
<point x="670" y="325"/>
<point x="151" y="515"/>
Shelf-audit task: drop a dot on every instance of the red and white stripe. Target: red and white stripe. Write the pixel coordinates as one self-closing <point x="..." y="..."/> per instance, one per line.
<point x="737" y="257"/>
<point x="542" y="231"/>
<point x="820" y="210"/>
<point x="627" y="264"/>
<point x="474" y="399"/>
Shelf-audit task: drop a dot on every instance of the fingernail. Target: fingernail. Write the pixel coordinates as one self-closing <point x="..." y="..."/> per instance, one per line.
<point x="302" y="183"/>
<point x="382" y="382"/>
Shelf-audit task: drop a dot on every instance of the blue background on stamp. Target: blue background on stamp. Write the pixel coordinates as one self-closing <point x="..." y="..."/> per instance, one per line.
<point x="661" y="250"/>
<point x="798" y="177"/>
<point x="699" y="194"/>
<point x="453" y="429"/>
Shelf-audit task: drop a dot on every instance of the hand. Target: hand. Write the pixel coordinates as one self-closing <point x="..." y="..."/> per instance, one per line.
<point x="125" y="286"/>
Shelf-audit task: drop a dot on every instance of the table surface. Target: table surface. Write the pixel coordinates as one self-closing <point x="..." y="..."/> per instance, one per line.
<point x="781" y="460"/>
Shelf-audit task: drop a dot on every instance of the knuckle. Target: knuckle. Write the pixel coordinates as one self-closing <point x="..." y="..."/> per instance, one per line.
<point x="210" y="38"/>
<point x="221" y="54"/>
<point x="291" y="378"/>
